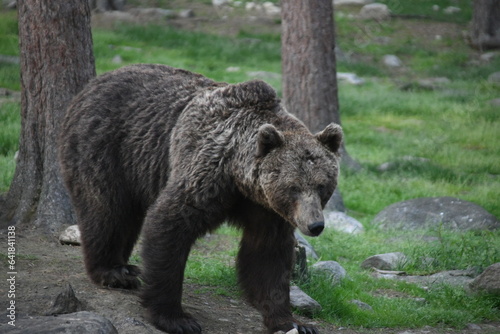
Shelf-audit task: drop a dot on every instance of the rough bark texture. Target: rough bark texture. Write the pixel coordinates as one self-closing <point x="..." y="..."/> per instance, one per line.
<point x="56" y="62"/>
<point x="308" y="65"/>
<point x="485" y="27"/>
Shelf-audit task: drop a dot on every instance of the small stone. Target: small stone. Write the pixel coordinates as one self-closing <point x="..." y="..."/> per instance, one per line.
<point x="117" y="59"/>
<point x="494" y="77"/>
<point x="186" y="13"/>
<point x="71" y="236"/>
<point x="375" y="11"/>
<point x="332" y="269"/>
<point x="66" y="302"/>
<point x="387" y="261"/>
<point x="233" y="69"/>
<point x="361" y="305"/>
<point x="495" y="102"/>
<point x="300" y="300"/>
<point x="451" y="10"/>
<point x="435" y="8"/>
<point x="489" y="55"/>
<point x="391" y="61"/>
<point x="350" y="78"/>
<point x="339" y="221"/>
<point x="473" y="327"/>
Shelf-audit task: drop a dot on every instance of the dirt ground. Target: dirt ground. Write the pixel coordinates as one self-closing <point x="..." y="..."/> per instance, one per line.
<point x="44" y="267"/>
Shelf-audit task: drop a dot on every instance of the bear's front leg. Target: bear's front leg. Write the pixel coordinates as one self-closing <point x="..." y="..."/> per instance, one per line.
<point x="169" y="232"/>
<point x="265" y="262"/>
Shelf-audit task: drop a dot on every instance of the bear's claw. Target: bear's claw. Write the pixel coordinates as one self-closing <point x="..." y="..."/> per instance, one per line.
<point x="184" y="325"/>
<point x="302" y="329"/>
<point x="121" y="276"/>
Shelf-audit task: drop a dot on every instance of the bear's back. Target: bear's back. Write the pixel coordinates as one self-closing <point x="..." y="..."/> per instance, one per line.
<point x="120" y="118"/>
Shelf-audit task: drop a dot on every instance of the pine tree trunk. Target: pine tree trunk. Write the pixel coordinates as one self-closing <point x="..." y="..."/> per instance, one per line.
<point x="56" y="62"/>
<point x="309" y="66"/>
<point x="485" y="27"/>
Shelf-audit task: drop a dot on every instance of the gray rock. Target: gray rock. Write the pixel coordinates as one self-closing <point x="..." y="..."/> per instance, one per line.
<point x="300" y="300"/>
<point x="340" y="3"/>
<point x="117" y="60"/>
<point x="66" y="302"/>
<point x="473" y="327"/>
<point x="387" y="261"/>
<point x="332" y="269"/>
<point x="361" y="305"/>
<point x="71" y="236"/>
<point x="495" y="102"/>
<point x="336" y="203"/>
<point x="392" y="61"/>
<point x="375" y="11"/>
<point x="350" y="78"/>
<point x="488" y="281"/>
<point x="489" y="55"/>
<point x="310" y="252"/>
<point x="461" y="278"/>
<point x="186" y="13"/>
<point x="80" y="322"/>
<point x="494" y="77"/>
<point x="448" y="212"/>
<point x="451" y="10"/>
<point x="339" y="221"/>
<point x="271" y="9"/>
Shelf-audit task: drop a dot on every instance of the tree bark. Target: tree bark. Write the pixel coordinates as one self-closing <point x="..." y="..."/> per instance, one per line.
<point x="485" y="27"/>
<point x="56" y="62"/>
<point x="309" y="66"/>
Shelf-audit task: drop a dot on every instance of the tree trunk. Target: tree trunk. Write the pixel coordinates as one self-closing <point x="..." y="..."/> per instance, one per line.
<point x="485" y="27"/>
<point x="308" y="65"/>
<point x="56" y="62"/>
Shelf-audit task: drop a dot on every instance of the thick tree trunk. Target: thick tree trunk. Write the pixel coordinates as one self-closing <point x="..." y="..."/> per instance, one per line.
<point x="485" y="27"/>
<point x="56" y="62"/>
<point x="308" y="65"/>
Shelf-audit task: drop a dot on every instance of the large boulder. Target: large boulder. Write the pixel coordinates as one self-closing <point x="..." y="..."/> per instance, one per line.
<point x="448" y="212"/>
<point x="488" y="281"/>
<point x="79" y="322"/>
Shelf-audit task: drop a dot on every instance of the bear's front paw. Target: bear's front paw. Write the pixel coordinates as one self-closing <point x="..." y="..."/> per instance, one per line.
<point x="122" y="276"/>
<point x="301" y="328"/>
<point x="180" y="325"/>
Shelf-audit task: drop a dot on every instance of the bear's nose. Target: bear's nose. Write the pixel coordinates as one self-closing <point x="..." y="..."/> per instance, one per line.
<point x="316" y="228"/>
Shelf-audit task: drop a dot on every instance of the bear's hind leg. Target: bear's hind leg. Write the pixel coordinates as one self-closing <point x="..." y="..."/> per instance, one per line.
<point x="107" y="238"/>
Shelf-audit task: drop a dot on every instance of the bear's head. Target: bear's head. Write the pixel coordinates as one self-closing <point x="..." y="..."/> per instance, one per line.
<point x="298" y="173"/>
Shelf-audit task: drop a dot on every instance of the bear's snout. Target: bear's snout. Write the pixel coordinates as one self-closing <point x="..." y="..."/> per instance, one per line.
<point x="316" y="228"/>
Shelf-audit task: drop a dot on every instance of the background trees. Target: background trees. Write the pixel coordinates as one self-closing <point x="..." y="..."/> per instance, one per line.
<point x="56" y="62"/>
<point x="485" y="26"/>
<point x="309" y="66"/>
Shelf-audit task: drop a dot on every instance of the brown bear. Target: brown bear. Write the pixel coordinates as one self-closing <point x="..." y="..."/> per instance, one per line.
<point x="176" y="154"/>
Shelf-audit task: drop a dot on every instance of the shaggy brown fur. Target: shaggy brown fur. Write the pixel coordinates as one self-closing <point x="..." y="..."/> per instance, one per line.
<point x="180" y="154"/>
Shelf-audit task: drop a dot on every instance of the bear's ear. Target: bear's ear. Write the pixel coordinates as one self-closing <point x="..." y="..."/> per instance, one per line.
<point x="331" y="137"/>
<point x="268" y="138"/>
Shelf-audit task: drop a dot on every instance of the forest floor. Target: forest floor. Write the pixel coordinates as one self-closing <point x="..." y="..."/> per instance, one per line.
<point x="44" y="268"/>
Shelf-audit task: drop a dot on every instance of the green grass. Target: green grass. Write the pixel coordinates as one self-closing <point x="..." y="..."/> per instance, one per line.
<point x="453" y="128"/>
